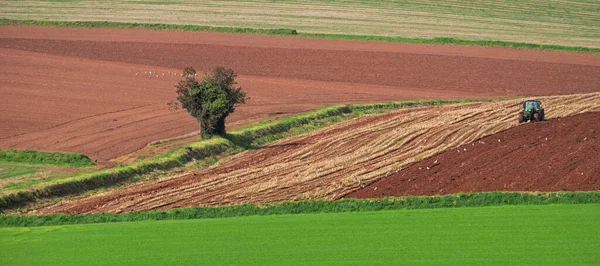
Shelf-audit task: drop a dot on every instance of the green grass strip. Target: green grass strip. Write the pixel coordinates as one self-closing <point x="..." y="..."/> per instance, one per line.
<point x="11" y="170"/>
<point x="316" y="206"/>
<point x="455" y="41"/>
<point x="241" y="139"/>
<point x="200" y="28"/>
<point x="131" y="25"/>
<point x="505" y="235"/>
<point x="47" y="158"/>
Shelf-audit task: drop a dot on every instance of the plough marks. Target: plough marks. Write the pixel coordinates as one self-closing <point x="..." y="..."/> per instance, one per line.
<point x="329" y="163"/>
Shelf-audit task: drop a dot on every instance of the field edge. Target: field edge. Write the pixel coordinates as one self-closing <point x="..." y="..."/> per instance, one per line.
<point x="460" y="200"/>
<point x="288" y="32"/>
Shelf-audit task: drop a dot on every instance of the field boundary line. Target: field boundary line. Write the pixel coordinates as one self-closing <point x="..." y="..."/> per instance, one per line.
<point x="461" y="200"/>
<point x="288" y="32"/>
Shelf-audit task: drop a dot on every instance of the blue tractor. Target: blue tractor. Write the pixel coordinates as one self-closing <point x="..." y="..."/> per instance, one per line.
<point x="532" y="111"/>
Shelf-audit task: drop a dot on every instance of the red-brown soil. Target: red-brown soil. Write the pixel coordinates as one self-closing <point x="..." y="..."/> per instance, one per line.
<point x="337" y="160"/>
<point x="559" y="154"/>
<point x="77" y="90"/>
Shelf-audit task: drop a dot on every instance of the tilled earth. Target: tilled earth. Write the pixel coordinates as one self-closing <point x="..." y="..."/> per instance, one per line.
<point x="336" y="161"/>
<point x="89" y="91"/>
<point x="555" y="155"/>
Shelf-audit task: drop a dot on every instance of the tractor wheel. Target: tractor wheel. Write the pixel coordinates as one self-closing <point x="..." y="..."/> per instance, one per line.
<point x="536" y="117"/>
<point x="542" y="116"/>
<point x="521" y="118"/>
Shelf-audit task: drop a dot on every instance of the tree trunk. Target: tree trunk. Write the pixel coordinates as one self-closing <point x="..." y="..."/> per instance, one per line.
<point x="208" y="127"/>
<point x="205" y="132"/>
<point x="220" y="127"/>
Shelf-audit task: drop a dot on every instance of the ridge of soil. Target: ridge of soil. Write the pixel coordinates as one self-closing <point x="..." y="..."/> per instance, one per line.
<point x="554" y="155"/>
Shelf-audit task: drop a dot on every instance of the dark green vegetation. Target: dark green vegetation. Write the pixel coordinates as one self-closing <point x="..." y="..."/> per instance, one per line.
<point x="210" y="100"/>
<point x="236" y="140"/>
<point x="508" y="235"/>
<point x="319" y="206"/>
<point x="47" y="158"/>
<point x="12" y="170"/>
<point x="435" y="40"/>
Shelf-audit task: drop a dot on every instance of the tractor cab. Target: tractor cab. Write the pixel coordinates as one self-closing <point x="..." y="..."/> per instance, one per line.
<point x="531" y="105"/>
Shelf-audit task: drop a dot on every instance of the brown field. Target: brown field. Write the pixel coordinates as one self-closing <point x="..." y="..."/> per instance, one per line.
<point x="330" y="163"/>
<point x="560" y="154"/>
<point x="77" y="90"/>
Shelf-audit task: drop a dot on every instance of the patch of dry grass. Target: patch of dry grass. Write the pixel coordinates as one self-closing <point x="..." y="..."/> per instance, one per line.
<point x="530" y="21"/>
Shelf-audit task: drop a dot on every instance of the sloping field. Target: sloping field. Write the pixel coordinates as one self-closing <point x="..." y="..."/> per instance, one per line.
<point x="88" y="91"/>
<point x="574" y="23"/>
<point x="330" y="163"/>
<point x="103" y="109"/>
<point x="560" y="154"/>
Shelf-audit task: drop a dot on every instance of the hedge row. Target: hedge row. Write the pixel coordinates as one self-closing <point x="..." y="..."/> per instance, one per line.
<point x="314" y="206"/>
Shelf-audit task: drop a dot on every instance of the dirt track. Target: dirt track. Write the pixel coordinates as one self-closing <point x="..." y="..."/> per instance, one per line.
<point x="327" y="164"/>
<point x="560" y="154"/>
<point x="77" y="90"/>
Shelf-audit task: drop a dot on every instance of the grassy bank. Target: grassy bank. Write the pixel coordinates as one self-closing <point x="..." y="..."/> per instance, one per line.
<point x="46" y="158"/>
<point x="551" y="234"/>
<point x="200" y="28"/>
<point x="237" y="140"/>
<point x="318" y="206"/>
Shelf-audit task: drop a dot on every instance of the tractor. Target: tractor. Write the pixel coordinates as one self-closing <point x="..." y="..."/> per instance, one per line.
<point x="532" y="111"/>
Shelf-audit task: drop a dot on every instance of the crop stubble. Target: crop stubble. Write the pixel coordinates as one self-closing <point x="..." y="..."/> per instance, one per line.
<point x="327" y="164"/>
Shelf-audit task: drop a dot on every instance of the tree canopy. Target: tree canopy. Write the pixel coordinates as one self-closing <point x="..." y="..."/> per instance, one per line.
<point x="210" y="100"/>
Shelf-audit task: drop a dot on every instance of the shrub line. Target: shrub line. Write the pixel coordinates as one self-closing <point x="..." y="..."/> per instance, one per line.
<point x="477" y="199"/>
<point x="200" y="28"/>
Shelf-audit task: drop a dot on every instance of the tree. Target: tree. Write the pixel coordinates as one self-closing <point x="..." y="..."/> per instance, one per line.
<point x="210" y="100"/>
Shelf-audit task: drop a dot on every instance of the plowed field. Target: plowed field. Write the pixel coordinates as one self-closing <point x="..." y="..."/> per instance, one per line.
<point x="330" y="163"/>
<point x="560" y="154"/>
<point x="88" y="91"/>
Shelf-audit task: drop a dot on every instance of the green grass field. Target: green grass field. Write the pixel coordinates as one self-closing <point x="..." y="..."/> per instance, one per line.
<point x="12" y="170"/>
<point x="513" y="235"/>
<point x="567" y="23"/>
